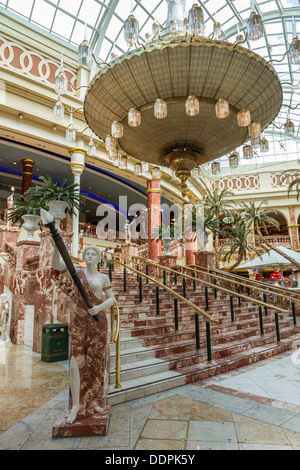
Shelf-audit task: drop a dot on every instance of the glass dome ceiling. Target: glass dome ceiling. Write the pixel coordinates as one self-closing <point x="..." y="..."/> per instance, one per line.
<point x="104" y="23"/>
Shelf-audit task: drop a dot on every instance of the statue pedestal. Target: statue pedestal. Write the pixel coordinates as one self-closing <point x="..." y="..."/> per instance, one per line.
<point x="205" y="259"/>
<point x="96" y="425"/>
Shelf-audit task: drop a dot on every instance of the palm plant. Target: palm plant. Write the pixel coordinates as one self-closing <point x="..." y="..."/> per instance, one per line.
<point x="259" y="218"/>
<point x="238" y="243"/>
<point x="24" y="207"/>
<point x="52" y="191"/>
<point x="218" y="204"/>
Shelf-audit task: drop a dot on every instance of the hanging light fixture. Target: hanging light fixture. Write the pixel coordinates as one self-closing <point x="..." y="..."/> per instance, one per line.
<point x="160" y="109"/>
<point x="240" y="36"/>
<point x="85" y="52"/>
<point x="254" y="130"/>
<point x="123" y="163"/>
<point x="255" y="143"/>
<point x="117" y="129"/>
<point x="217" y="29"/>
<point x="61" y="81"/>
<point x="264" y="145"/>
<point x="110" y="143"/>
<point x="71" y="132"/>
<point x="91" y="150"/>
<point x="196" y="20"/>
<point x="58" y="110"/>
<point x="113" y="154"/>
<point x="156" y="173"/>
<point x="244" y="118"/>
<point x="247" y="152"/>
<point x="186" y="25"/>
<point x="294" y="50"/>
<point x="192" y="106"/>
<point x="254" y="24"/>
<point x="138" y="170"/>
<point x="113" y="56"/>
<point x="234" y="159"/>
<point x="145" y="166"/>
<point x="222" y="109"/>
<point x="196" y="173"/>
<point x="134" y="118"/>
<point x="155" y="29"/>
<point x="116" y="161"/>
<point x="131" y="31"/>
<point x="215" y="168"/>
<point x="289" y="128"/>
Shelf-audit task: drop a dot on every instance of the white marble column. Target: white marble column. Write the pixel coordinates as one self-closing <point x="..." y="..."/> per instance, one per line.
<point x="77" y="166"/>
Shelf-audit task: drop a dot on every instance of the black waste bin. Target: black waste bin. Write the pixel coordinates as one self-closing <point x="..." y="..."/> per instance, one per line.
<point x="55" y="341"/>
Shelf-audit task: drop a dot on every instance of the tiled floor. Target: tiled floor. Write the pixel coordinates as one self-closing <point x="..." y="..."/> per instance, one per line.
<point x="257" y="407"/>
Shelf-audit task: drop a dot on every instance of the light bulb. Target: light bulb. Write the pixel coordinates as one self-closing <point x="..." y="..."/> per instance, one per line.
<point x="160" y="109"/>
<point x="58" y="110"/>
<point x="85" y="54"/>
<point x="117" y="129"/>
<point x="222" y="109"/>
<point x="244" y="118"/>
<point x="192" y="106"/>
<point x="134" y="118"/>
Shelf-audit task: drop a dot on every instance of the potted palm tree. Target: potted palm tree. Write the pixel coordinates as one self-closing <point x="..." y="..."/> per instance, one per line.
<point x="166" y="233"/>
<point x="60" y="198"/>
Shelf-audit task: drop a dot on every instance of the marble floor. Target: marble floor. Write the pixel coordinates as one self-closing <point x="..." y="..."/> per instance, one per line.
<point x="254" y="408"/>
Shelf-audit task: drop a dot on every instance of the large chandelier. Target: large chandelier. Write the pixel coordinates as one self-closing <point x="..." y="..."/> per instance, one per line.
<point x="182" y="99"/>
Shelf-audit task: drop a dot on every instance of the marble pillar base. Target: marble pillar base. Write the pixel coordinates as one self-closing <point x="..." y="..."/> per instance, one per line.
<point x="96" y="425"/>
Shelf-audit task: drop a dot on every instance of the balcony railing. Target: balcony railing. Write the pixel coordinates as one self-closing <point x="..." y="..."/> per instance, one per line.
<point x="272" y="239"/>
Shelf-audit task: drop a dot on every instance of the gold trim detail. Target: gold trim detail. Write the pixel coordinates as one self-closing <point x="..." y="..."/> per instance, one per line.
<point x="153" y="191"/>
<point x="78" y="150"/>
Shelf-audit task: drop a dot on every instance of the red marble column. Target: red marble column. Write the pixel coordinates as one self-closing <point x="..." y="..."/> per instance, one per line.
<point x="28" y="164"/>
<point x="154" y="218"/>
<point x="293" y="229"/>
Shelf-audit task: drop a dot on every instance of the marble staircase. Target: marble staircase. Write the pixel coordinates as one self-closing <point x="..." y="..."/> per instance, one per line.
<point x="155" y="357"/>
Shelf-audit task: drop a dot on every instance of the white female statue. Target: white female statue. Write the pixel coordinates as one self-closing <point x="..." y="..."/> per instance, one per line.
<point x="89" y="356"/>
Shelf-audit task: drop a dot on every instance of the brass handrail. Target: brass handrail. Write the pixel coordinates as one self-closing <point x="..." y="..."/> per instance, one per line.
<point x="208" y="284"/>
<point x="175" y="294"/>
<point x="116" y="338"/>
<point x="223" y="275"/>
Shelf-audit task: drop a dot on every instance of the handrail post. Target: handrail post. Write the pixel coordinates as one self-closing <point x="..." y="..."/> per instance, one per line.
<point x="147" y="273"/>
<point x="261" y="321"/>
<point x="197" y="332"/>
<point x="194" y="282"/>
<point x="157" y="300"/>
<point x="176" y="313"/>
<point x="109" y="271"/>
<point x="125" y="280"/>
<point x="175" y="277"/>
<point x="140" y="289"/>
<point x="208" y="342"/>
<point x="206" y="298"/>
<point x="266" y="308"/>
<point x="216" y="293"/>
<point x="231" y="309"/>
<point x="239" y="299"/>
<point x="294" y="313"/>
<point x="277" y="327"/>
<point x="183" y="287"/>
<point x="112" y="321"/>
<point x="164" y="277"/>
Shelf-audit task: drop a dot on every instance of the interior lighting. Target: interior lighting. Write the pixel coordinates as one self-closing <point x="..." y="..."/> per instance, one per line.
<point x="58" y="110"/>
<point x="217" y="29"/>
<point x="255" y="143"/>
<point x="155" y="29"/>
<point x="196" y="20"/>
<point x="234" y="160"/>
<point x="110" y="143"/>
<point x="254" y="25"/>
<point x="244" y="118"/>
<point x="91" y="150"/>
<point x="71" y="132"/>
<point x="156" y="173"/>
<point x="134" y="118"/>
<point x="215" y="168"/>
<point x="117" y="129"/>
<point x="138" y="170"/>
<point x="123" y="163"/>
<point x="264" y="145"/>
<point x="254" y="130"/>
<point x="192" y="106"/>
<point x="247" y="152"/>
<point x="131" y="31"/>
<point x="160" y="109"/>
<point x="289" y="128"/>
<point x="222" y="109"/>
<point x="61" y="81"/>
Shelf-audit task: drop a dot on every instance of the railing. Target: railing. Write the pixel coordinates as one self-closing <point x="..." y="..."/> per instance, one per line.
<point x="272" y="239"/>
<point x="198" y="311"/>
<point x="116" y="338"/>
<point x="141" y="263"/>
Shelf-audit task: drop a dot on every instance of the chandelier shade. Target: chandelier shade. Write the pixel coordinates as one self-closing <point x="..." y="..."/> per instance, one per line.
<point x="174" y="68"/>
